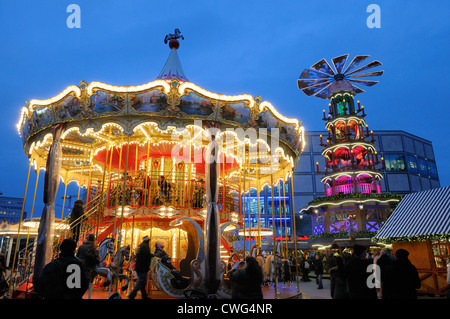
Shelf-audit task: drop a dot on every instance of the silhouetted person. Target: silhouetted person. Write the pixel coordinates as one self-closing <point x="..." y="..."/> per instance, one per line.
<point x="318" y="270"/>
<point x="75" y="219"/>
<point x="385" y="260"/>
<point x="401" y="279"/>
<point x="142" y="266"/>
<point x="247" y="281"/>
<point x="338" y="283"/>
<point x="355" y="272"/>
<point x="165" y="187"/>
<point x="64" y="277"/>
<point x="88" y="255"/>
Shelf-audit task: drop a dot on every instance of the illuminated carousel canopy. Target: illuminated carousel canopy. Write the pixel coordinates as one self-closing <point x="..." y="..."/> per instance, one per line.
<point x="151" y="117"/>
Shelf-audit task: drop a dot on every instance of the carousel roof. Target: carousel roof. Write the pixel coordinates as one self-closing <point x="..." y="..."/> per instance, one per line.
<point x="98" y="114"/>
<point x="172" y="69"/>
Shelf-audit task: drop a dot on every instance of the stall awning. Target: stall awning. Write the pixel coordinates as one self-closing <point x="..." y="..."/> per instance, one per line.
<point x="418" y="214"/>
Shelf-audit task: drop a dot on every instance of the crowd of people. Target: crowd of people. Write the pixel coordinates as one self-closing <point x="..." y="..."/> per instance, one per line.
<point x="52" y="283"/>
<point x="363" y="275"/>
<point x="360" y="275"/>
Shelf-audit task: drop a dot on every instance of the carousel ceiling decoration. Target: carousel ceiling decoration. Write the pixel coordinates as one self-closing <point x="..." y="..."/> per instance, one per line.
<point x="319" y="79"/>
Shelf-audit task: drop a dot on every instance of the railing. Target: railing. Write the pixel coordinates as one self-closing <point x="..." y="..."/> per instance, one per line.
<point x="168" y="189"/>
<point x="363" y="188"/>
<point x="26" y="257"/>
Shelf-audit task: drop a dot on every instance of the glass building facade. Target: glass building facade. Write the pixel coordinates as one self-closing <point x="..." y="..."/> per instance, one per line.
<point x="282" y="209"/>
<point x="10" y="209"/>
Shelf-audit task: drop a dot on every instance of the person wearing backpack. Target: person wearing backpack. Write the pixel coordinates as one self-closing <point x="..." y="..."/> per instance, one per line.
<point x="64" y="277"/>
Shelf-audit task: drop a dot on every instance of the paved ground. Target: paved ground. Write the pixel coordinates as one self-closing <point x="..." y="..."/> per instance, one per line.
<point x="310" y="291"/>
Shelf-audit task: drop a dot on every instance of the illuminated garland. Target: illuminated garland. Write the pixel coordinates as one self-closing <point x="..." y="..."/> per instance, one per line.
<point x="361" y="233"/>
<point x="411" y="238"/>
<point x="330" y="235"/>
<point x="355" y="195"/>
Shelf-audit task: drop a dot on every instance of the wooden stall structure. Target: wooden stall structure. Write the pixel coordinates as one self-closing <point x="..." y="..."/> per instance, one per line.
<point x="420" y="224"/>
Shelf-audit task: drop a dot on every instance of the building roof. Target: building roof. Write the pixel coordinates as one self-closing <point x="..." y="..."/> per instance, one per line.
<point x="172" y="69"/>
<point x="419" y="214"/>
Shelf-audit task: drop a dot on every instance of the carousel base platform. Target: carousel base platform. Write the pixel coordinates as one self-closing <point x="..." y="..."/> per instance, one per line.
<point x="286" y="292"/>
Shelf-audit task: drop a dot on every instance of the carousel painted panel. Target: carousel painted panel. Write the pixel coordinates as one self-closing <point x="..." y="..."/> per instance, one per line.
<point x="25" y="129"/>
<point x="67" y="108"/>
<point x="105" y="102"/>
<point x="41" y="117"/>
<point x="194" y="104"/>
<point x="288" y="134"/>
<point x="267" y="119"/>
<point x="236" y="112"/>
<point x="151" y="101"/>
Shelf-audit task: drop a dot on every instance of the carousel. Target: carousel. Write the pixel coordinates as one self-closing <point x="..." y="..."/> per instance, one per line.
<point x="166" y="159"/>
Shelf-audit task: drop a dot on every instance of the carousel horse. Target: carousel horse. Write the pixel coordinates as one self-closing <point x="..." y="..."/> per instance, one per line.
<point x="105" y="248"/>
<point x="173" y="36"/>
<point x="118" y="263"/>
<point x="260" y="260"/>
<point x="268" y="270"/>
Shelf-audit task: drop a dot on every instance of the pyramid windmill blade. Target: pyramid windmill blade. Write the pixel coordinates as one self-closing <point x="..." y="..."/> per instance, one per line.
<point x="339" y="62"/>
<point x="323" y="67"/>
<point x="375" y="73"/>
<point x="357" y="89"/>
<point x="366" y="67"/>
<point x="324" y="92"/>
<point x="303" y="83"/>
<point x="309" y="74"/>
<point x="355" y="62"/>
<point x="364" y="82"/>
<point x="313" y="89"/>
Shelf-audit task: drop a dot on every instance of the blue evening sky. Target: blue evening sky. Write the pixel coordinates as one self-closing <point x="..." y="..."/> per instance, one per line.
<point x="230" y="47"/>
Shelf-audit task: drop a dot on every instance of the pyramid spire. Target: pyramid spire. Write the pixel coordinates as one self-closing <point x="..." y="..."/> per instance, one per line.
<point x="172" y="69"/>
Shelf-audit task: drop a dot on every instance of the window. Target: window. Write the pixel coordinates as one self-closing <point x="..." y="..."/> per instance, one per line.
<point x="412" y="164"/>
<point x="281" y="226"/>
<point x="423" y="170"/>
<point x="253" y="205"/>
<point x="395" y="162"/>
<point x="432" y="170"/>
<point x="440" y="249"/>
